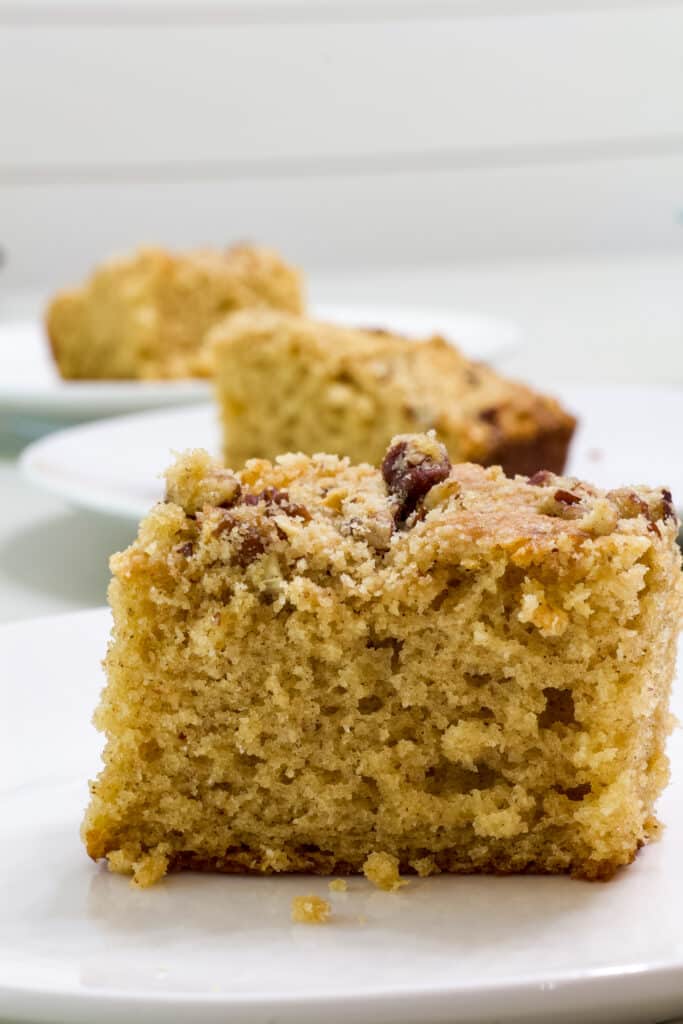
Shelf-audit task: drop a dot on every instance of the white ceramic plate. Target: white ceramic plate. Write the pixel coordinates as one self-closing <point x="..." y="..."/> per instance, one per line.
<point x="78" y="944"/>
<point x="114" y="466"/>
<point x="31" y="387"/>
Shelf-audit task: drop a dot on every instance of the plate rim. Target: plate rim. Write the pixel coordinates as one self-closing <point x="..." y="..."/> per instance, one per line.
<point x="79" y="495"/>
<point x="403" y="1003"/>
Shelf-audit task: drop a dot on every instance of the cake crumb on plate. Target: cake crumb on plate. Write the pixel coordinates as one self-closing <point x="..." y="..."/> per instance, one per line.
<point x="338" y="885"/>
<point x="310" y="910"/>
<point x="382" y="870"/>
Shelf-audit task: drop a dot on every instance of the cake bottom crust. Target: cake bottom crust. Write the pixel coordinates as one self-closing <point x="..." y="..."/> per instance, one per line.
<point x="242" y="861"/>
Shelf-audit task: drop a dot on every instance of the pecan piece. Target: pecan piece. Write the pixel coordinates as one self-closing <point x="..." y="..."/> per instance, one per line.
<point x="249" y="545"/>
<point x="411" y="467"/>
<point x="271" y="496"/>
<point x="567" y="498"/>
<point x="541" y="477"/>
<point x="668" y="510"/>
<point x="629" y="504"/>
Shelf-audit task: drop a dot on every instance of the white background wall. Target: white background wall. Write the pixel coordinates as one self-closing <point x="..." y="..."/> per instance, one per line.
<point x="362" y="132"/>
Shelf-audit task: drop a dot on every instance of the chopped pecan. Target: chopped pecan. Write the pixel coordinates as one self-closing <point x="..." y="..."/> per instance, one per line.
<point x="541" y="477"/>
<point x="411" y="467"/>
<point x="566" y="497"/>
<point x="271" y="496"/>
<point x="249" y="545"/>
<point x="226" y="524"/>
<point x="668" y="510"/>
<point x="629" y="504"/>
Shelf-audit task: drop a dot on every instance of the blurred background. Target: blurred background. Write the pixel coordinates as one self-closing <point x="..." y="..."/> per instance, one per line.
<point x="520" y="158"/>
<point x="476" y="137"/>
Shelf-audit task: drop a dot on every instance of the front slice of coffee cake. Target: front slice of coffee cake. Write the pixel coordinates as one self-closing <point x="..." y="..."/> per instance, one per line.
<point x="313" y="662"/>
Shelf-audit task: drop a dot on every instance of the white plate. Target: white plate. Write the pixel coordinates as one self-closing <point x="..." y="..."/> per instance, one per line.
<point x="114" y="466"/>
<point x="78" y="944"/>
<point x="31" y="386"/>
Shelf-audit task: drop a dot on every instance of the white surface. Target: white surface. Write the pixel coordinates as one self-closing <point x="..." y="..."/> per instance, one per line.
<point x="78" y="943"/>
<point x="611" y="199"/>
<point x="31" y="386"/>
<point x="480" y="81"/>
<point x="619" y="442"/>
<point x="349" y="134"/>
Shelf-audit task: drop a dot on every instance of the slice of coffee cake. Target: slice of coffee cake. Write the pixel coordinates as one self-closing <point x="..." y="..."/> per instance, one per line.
<point x="146" y="315"/>
<point x="286" y="383"/>
<point x="314" y="662"/>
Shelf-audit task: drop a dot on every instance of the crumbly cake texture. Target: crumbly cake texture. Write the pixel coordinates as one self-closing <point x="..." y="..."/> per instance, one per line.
<point x="145" y="315"/>
<point x="330" y="668"/>
<point x="382" y="870"/>
<point x="286" y="383"/>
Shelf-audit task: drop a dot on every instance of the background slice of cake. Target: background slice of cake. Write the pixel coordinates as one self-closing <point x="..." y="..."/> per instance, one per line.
<point x="286" y="383"/>
<point x="313" y="662"/>
<point x="145" y="316"/>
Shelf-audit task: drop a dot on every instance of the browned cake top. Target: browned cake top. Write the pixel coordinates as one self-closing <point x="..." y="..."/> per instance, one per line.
<point x="441" y="387"/>
<point x="416" y="493"/>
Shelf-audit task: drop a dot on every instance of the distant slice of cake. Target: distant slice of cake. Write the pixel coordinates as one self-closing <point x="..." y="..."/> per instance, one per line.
<point x="324" y="667"/>
<point x="286" y="383"/>
<point x="145" y="316"/>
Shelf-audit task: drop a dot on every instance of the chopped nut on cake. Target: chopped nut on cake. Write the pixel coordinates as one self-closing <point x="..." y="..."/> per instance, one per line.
<point x="286" y="383"/>
<point x="333" y="668"/>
